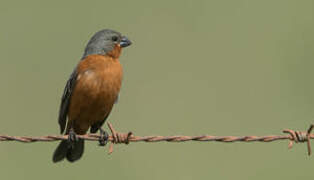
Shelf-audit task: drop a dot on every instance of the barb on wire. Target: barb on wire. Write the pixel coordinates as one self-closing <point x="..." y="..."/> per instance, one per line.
<point x="126" y="138"/>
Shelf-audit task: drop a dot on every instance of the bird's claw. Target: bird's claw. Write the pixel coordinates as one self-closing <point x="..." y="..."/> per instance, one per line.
<point x="72" y="138"/>
<point x="103" y="138"/>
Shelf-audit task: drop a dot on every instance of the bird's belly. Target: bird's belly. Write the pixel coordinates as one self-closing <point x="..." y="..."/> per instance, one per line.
<point x="93" y="98"/>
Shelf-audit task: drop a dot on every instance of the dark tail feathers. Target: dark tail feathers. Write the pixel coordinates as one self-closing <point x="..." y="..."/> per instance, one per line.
<point x="71" y="152"/>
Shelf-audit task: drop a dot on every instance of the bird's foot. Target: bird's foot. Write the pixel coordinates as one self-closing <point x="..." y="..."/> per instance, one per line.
<point x="72" y="138"/>
<point x="103" y="139"/>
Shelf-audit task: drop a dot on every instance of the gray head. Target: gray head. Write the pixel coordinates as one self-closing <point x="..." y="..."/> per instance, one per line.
<point x="105" y="41"/>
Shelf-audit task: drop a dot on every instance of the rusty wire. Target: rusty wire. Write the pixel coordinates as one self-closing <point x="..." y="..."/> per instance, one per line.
<point x="116" y="138"/>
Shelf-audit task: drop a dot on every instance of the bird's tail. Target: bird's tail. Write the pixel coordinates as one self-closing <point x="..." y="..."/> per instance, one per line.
<point x="72" y="151"/>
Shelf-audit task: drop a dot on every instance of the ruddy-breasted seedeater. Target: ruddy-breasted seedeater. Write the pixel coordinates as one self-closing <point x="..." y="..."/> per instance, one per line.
<point x="91" y="92"/>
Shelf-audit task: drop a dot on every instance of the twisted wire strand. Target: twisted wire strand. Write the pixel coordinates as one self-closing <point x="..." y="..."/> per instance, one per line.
<point x="117" y="138"/>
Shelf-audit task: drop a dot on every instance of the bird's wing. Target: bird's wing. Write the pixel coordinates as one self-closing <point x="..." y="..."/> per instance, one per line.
<point x="64" y="107"/>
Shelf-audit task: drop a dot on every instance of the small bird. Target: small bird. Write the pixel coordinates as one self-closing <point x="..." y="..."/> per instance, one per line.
<point x="90" y="93"/>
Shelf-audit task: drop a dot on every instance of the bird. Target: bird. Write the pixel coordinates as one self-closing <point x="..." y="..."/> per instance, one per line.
<point x="90" y="93"/>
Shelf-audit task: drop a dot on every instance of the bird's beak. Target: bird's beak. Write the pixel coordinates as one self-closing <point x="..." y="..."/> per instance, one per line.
<point x="125" y="42"/>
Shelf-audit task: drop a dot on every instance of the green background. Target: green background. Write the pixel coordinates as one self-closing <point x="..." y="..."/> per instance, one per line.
<point x="195" y="67"/>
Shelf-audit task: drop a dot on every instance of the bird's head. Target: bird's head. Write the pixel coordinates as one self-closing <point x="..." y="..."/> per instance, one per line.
<point x="106" y="42"/>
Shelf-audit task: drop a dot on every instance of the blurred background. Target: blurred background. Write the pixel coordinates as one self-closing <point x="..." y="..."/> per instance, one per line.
<point x="195" y="67"/>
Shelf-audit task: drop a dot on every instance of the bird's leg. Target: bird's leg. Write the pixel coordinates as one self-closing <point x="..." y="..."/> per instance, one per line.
<point x="72" y="138"/>
<point x="103" y="139"/>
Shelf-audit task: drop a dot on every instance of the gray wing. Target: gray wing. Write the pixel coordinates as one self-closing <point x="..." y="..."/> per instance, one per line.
<point x="65" y="101"/>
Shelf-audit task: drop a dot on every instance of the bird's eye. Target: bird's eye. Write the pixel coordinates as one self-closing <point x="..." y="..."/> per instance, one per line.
<point x="115" y="38"/>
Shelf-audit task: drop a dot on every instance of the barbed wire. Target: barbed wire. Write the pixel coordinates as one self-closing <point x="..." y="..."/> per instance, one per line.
<point x="126" y="138"/>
